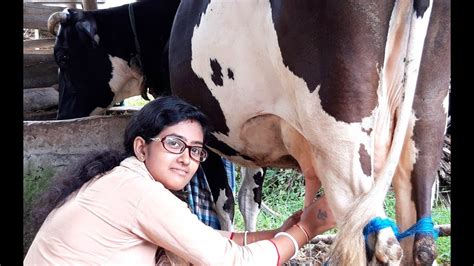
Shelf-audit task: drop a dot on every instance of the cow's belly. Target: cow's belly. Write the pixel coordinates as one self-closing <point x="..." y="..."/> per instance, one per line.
<point x="261" y="138"/>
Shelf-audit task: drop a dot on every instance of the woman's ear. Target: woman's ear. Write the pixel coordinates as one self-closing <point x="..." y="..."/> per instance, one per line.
<point x="139" y="145"/>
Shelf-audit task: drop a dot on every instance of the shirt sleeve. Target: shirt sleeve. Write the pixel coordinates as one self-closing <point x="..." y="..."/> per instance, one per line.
<point x="163" y="219"/>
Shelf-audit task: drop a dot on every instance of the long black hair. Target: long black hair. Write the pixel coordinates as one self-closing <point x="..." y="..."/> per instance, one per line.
<point x="146" y="123"/>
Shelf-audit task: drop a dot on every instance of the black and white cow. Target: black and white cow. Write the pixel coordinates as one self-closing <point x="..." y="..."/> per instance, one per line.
<point x="102" y="55"/>
<point x="353" y="93"/>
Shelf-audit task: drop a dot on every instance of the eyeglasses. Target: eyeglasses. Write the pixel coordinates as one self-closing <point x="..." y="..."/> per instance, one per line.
<point x="177" y="146"/>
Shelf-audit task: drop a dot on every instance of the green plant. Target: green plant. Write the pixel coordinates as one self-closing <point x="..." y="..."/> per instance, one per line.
<point x="34" y="182"/>
<point x="137" y="101"/>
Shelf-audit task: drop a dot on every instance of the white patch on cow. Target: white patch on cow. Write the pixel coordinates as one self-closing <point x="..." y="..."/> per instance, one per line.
<point x="222" y="215"/>
<point x="96" y="38"/>
<point x="126" y="81"/>
<point x="247" y="205"/>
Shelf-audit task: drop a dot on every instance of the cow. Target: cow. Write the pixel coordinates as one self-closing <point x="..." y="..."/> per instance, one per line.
<point x="101" y="59"/>
<point x="352" y="93"/>
<point x="107" y="55"/>
<point x="334" y="89"/>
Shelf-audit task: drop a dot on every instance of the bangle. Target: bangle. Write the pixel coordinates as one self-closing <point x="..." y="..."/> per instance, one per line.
<point x="295" y="244"/>
<point x="304" y="231"/>
<point x="245" y="238"/>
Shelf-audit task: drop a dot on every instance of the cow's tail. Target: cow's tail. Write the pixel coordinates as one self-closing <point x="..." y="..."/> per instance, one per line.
<point x="349" y="245"/>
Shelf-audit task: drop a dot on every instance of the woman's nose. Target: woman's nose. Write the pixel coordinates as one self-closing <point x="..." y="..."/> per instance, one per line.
<point x="184" y="157"/>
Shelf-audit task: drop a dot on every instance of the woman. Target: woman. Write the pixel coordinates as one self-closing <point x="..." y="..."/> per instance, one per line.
<point x="118" y="208"/>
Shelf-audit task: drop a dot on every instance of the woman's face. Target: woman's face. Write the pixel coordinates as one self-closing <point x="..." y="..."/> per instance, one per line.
<point x="174" y="171"/>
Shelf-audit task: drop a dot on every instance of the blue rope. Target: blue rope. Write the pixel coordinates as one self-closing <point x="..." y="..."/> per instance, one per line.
<point x="378" y="224"/>
<point x="424" y="225"/>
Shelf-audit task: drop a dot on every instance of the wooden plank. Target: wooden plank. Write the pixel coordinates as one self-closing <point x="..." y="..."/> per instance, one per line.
<point x="36" y="16"/>
<point x="39" y="70"/>
<point x="38" y="99"/>
<point x="89" y="5"/>
<point x="116" y="110"/>
<point x="46" y="45"/>
<point x="40" y="115"/>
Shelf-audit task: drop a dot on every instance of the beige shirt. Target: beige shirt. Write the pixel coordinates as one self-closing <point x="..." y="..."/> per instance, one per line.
<point x="124" y="216"/>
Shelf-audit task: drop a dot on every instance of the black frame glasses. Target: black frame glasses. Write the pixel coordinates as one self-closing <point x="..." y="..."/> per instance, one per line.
<point x="176" y="145"/>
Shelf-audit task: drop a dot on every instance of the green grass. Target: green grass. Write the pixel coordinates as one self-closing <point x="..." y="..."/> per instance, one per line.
<point x="137" y="100"/>
<point x="283" y="192"/>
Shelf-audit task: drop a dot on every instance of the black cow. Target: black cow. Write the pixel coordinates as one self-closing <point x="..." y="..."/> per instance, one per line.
<point x="353" y="93"/>
<point x="102" y="55"/>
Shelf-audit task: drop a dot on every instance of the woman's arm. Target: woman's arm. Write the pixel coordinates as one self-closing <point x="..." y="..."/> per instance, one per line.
<point x="300" y="227"/>
<point x="243" y="238"/>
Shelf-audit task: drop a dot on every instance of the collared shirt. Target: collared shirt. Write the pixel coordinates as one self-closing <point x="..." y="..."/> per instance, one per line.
<point x="122" y="218"/>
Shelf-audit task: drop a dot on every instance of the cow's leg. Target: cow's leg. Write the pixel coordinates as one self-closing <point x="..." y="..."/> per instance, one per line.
<point x="250" y="195"/>
<point x="301" y="150"/>
<point x="414" y="189"/>
<point x="311" y="186"/>
<point x="221" y="192"/>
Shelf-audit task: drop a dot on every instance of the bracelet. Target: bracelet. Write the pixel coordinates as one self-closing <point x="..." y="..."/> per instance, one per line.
<point x="295" y="244"/>
<point x="304" y="231"/>
<point x="245" y="238"/>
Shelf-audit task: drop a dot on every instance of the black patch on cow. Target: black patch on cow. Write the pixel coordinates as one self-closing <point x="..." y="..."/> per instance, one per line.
<point x="226" y="149"/>
<point x="364" y="159"/>
<point x="184" y="82"/>
<point x="229" y="204"/>
<point x="216" y="72"/>
<point x="368" y="131"/>
<point x="230" y="74"/>
<point x="257" y="191"/>
<point x="420" y="7"/>
<point x="335" y="44"/>
<point x="216" y="176"/>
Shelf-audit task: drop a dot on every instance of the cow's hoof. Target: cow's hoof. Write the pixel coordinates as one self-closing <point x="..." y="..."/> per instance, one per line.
<point x="424" y="249"/>
<point x="388" y="249"/>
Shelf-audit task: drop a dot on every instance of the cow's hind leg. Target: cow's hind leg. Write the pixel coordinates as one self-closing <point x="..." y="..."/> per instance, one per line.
<point x="430" y="109"/>
<point x="221" y="192"/>
<point x="250" y="195"/>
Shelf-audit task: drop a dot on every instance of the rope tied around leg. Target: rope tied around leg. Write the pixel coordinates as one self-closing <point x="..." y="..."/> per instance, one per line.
<point x="424" y="225"/>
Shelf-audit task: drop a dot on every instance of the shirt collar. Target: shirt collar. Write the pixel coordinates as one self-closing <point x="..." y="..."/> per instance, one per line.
<point x="137" y="166"/>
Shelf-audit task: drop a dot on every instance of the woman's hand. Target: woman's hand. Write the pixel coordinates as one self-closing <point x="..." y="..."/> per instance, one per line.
<point x="290" y="221"/>
<point x="317" y="217"/>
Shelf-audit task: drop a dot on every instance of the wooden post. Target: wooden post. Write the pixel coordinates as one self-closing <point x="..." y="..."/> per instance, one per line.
<point x="89" y="4"/>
